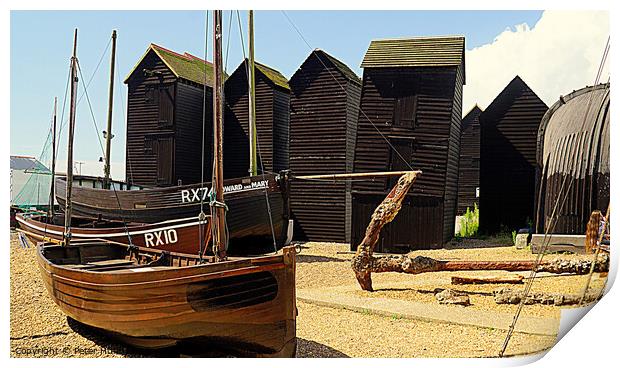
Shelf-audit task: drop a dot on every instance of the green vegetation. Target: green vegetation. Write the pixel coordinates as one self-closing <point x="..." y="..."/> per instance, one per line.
<point x="514" y="237"/>
<point x="469" y="223"/>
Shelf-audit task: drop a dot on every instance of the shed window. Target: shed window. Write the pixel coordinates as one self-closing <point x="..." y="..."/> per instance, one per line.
<point x="149" y="145"/>
<point x="150" y="94"/>
<point x="405" y="111"/>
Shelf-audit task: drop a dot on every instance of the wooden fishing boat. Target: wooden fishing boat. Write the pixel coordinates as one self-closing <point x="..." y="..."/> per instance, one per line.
<point x="249" y="214"/>
<point x="180" y="235"/>
<point x="154" y="299"/>
<point x="249" y="225"/>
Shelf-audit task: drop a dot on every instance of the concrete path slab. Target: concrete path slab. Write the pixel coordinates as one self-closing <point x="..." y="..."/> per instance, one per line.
<point x="337" y="297"/>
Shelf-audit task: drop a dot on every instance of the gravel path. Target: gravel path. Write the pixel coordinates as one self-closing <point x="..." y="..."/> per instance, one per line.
<point x="328" y="264"/>
<point x="39" y="329"/>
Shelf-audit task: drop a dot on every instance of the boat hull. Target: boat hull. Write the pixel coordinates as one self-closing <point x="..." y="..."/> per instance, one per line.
<point x="245" y="305"/>
<point x="181" y="236"/>
<point x="250" y="215"/>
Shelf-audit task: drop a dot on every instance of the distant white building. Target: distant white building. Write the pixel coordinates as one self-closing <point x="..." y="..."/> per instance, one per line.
<point x="30" y="182"/>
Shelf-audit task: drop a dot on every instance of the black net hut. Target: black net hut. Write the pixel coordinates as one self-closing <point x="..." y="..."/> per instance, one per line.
<point x="272" y="95"/>
<point x="165" y="118"/>
<point x="469" y="161"/>
<point x="410" y="117"/>
<point x="573" y="161"/>
<point x="509" y="128"/>
<point x="325" y="97"/>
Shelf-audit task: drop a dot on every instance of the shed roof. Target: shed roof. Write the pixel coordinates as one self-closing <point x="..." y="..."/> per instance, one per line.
<point x="342" y="67"/>
<point x="273" y="75"/>
<point x="185" y="66"/>
<point x="473" y="114"/>
<point x="27" y="163"/>
<point x="416" y="52"/>
<point x="339" y="65"/>
<point x="584" y="114"/>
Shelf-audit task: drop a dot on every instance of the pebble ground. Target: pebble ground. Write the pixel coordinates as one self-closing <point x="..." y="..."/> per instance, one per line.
<point x="39" y="329"/>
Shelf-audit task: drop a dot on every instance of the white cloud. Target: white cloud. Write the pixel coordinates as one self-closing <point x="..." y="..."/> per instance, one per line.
<point x="561" y="53"/>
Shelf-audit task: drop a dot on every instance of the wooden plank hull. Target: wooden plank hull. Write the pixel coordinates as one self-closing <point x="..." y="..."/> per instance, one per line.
<point x="246" y="305"/>
<point x="181" y="236"/>
<point x="246" y="198"/>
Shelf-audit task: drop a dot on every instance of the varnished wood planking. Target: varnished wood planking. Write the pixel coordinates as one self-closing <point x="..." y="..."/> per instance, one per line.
<point x="157" y="307"/>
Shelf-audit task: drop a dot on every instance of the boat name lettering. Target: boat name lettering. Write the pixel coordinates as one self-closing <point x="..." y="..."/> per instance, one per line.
<point x="161" y="237"/>
<point x="201" y="194"/>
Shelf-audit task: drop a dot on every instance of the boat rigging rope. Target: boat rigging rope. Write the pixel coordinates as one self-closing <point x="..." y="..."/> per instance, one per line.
<point x="230" y="18"/>
<point x="64" y="104"/>
<point x="260" y="157"/>
<point x="554" y="217"/>
<point x="345" y="91"/>
<point x="102" y="151"/>
<point x="202" y="216"/>
<point x="119" y="85"/>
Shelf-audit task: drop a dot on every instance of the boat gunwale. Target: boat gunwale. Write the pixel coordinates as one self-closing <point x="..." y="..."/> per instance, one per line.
<point x="241" y="266"/>
<point x="170" y="189"/>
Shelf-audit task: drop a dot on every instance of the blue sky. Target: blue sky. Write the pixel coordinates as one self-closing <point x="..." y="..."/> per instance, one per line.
<point x="41" y="48"/>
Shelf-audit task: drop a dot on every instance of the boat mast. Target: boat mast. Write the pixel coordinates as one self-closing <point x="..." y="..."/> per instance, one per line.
<point x="52" y="189"/>
<point x="219" y="210"/>
<point x="252" y="96"/>
<point x="108" y="132"/>
<point x="74" y="85"/>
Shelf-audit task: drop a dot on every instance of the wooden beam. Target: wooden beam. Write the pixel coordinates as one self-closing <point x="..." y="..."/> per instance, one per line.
<point x="357" y="175"/>
<point x="463" y="280"/>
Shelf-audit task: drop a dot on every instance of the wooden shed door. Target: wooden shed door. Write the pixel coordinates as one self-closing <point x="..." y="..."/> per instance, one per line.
<point x="165" y="160"/>
<point x="166" y="106"/>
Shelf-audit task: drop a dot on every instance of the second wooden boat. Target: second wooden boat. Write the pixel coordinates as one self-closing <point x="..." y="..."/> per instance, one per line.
<point x="249" y="213"/>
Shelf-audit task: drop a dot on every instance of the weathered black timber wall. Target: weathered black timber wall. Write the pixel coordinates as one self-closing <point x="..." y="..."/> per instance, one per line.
<point x="324" y="108"/>
<point x="469" y="161"/>
<point x="509" y="127"/>
<point x="164" y="126"/>
<point x="272" y="114"/>
<point x="573" y="161"/>
<point x="143" y="128"/>
<point x="419" y="111"/>
<point x="189" y="115"/>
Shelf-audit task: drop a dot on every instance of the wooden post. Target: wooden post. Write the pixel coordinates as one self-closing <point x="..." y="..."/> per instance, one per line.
<point x="52" y="188"/>
<point x="74" y="85"/>
<point x="252" y="96"/>
<point x="109" y="136"/>
<point x="219" y="219"/>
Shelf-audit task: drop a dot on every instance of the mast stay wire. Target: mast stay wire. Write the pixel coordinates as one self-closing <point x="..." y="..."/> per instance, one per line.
<point x="202" y="216"/>
<point x="260" y="157"/>
<point x="344" y="90"/>
<point x="122" y="98"/>
<point x="554" y="217"/>
<point x="102" y="151"/>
